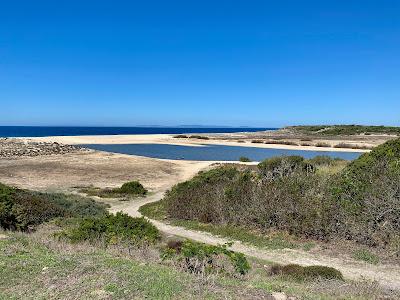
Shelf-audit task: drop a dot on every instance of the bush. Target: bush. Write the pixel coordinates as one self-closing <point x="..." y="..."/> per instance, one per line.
<point x="277" y="142"/>
<point x="180" y="136"/>
<point x="282" y="166"/>
<point x="200" y="137"/>
<point x="201" y="258"/>
<point x="113" y="229"/>
<point x="359" y="203"/>
<point x="322" y="144"/>
<point x="321" y="160"/>
<point x="304" y="273"/>
<point x="22" y="210"/>
<point x="257" y="141"/>
<point x="244" y="159"/>
<point x="132" y="188"/>
<point x="367" y="197"/>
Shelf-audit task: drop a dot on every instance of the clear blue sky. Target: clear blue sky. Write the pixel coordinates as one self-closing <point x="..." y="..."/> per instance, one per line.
<point x="256" y="63"/>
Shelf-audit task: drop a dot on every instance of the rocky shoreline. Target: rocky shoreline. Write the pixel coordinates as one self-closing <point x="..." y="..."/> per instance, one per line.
<point x="12" y="148"/>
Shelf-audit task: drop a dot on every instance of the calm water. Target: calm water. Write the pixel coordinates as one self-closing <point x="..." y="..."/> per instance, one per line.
<point x="34" y="131"/>
<point x="211" y="152"/>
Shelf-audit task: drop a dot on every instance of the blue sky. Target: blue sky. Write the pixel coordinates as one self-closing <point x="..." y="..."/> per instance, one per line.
<point x="255" y="63"/>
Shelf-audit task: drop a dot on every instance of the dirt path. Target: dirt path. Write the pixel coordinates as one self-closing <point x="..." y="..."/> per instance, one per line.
<point x="386" y="275"/>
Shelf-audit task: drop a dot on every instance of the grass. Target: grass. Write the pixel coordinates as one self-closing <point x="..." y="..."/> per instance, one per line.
<point x="33" y="270"/>
<point x="367" y="256"/>
<point x="37" y="266"/>
<point x="272" y="241"/>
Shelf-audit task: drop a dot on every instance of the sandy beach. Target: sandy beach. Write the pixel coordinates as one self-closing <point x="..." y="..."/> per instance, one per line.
<point x="169" y="139"/>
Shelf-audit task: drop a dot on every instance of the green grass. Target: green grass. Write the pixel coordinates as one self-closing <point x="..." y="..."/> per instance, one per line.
<point x="33" y="270"/>
<point x="367" y="256"/>
<point x="156" y="211"/>
<point x="37" y="266"/>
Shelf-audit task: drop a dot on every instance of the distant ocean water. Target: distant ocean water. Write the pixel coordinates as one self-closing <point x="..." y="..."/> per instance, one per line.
<point x="37" y="131"/>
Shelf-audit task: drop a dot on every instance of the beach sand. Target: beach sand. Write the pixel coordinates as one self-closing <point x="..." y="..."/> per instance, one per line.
<point x="169" y="139"/>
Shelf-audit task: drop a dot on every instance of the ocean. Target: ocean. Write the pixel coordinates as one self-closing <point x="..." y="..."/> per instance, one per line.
<point x="37" y="131"/>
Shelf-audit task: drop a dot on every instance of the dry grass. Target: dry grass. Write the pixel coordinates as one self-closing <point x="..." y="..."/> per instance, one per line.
<point x="40" y="266"/>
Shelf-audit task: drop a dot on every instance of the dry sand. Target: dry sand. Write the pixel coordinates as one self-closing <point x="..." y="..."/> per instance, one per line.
<point x="169" y="139"/>
<point x="100" y="169"/>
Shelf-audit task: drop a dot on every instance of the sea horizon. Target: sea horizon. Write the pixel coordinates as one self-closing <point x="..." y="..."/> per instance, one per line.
<point x="43" y="131"/>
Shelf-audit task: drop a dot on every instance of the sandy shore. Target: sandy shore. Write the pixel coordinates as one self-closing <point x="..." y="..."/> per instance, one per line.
<point x="70" y="172"/>
<point x="169" y="139"/>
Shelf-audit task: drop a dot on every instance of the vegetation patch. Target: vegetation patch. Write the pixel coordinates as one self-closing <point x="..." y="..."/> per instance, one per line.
<point x="321" y="198"/>
<point x="201" y="258"/>
<point x="322" y="144"/>
<point x="367" y="256"/>
<point x="244" y="159"/>
<point x="278" y="142"/>
<point x="199" y="137"/>
<point x="306" y="273"/>
<point x="113" y="229"/>
<point x="132" y="188"/>
<point x="23" y="209"/>
<point x="346" y="129"/>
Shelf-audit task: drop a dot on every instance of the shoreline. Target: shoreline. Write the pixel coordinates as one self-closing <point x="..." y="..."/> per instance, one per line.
<point x="169" y="139"/>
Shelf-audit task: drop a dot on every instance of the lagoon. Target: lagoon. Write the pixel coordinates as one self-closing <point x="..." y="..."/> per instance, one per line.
<point x="211" y="152"/>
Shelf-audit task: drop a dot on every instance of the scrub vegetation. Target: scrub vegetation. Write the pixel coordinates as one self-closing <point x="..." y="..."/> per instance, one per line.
<point x="128" y="189"/>
<point x="345" y="129"/>
<point x="359" y="202"/>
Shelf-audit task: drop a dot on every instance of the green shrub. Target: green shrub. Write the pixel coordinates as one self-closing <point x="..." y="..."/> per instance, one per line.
<point x="133" y="188"/>
<point x="22" y="209"/>
<point x="282" y="166"/>
<point x="304" y="273"/>
<point x="244" y="159"/>
<point x="199" y="258"/>
<point x="367" y="198"/>
<point x="113" y="229"/>
<point x="323" y="160"/>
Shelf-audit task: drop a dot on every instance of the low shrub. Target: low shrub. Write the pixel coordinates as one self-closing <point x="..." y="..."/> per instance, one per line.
<point x="201" y="258"/>
<point x="282" y="166"/>
<point x="180" y="136"/>
<point x="305" y="144"/>
<point x="278" y="142"/>
<point x="321" y="160"/>
<point x="322" y="144"/>
<point x="200" y="137"/>
<point x="23" y="210"/>
<point x="305" y="273"/>
<point x="133" y="188"/>
<point x="344" y="145"/>
<point x="113" y="229"/>
<point x="257" y="141"/>
<point x="244" y="159"/>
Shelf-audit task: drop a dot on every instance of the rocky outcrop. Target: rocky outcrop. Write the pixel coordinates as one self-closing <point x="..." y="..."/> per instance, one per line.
<point x="12" y="148"/>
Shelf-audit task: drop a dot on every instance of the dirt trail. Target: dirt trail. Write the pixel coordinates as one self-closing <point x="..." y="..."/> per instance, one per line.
<point x="386" y="275"/>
